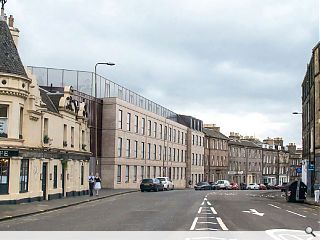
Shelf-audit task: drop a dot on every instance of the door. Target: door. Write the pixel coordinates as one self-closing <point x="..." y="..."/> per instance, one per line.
<point x="44" y="180"/>
<point x="4" y="176"/>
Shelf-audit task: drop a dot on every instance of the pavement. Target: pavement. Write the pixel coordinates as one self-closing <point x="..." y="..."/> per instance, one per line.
<point x="11" y="211"/>
<point x="186" y="210"/>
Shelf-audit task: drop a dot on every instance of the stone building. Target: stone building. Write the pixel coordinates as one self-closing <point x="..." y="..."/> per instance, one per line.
<point x="216" y="154"/>
<point x="44" y="149"/>
<point x="311" y="120"/>
<point x="295" y="161"/>
<point x="140" y="143"/>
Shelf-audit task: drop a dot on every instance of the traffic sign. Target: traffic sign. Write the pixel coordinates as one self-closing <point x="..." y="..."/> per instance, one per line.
<point x="311" y="167"/>
<point x="299" y="170"/>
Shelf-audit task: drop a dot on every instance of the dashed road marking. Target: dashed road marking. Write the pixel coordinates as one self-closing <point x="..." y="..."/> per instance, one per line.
<point x="274" y="206"/>
<point x="296" y="213"/>
<point x="222" y="225"/>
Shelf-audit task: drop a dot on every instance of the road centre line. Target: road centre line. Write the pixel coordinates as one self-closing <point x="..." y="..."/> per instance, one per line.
<point x="194" y="223"/>
<point x="222" y="225"/>
<point x="213" y="211"/>
<point x="274" y="206"/>
<point x="296" y="213"/>
<point x="200" y="209"/>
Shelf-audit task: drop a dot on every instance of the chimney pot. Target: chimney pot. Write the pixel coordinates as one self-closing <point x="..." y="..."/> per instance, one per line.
<point x="11" y="21"/>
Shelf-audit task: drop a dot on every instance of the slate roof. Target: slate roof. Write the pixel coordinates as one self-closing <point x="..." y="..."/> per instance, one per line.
<point x="10" y="61"/>
<point x="244" y="143"/>
<point x="47" y="100"/>
<point x="214" y="133"/>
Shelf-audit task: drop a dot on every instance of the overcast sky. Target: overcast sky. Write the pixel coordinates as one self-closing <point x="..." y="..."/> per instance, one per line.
<point x="236" y="63"/>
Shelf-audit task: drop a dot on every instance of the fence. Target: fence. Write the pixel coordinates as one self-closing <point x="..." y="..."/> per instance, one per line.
<point x="84" y="81"/>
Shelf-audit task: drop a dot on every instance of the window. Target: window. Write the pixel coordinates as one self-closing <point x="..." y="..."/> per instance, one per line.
<point x="46" y="131"/>
<point x="160" y="131"/>
<point x="182" y="134"/>
<point x="4" y="176"/>
<point x="169" y="154"/>
<point x="149" y="128"/>
<point x="136" y="124"/>
<point x="165" y="153"/>
<point x="174" y="154"/>
<point x="72" y="137"/>
<point x="119" y="174"/>
<point x="135" y="171"/>
<point x="65" y="132"/>
<point x="178" y="136"/>
<point x="170" y="132"/>
<point x="154" y="172"/>
<point x="128" y="148"/>
<point x="82" y="174"/>
<point x="55" y="176"/>
<point x="192" y="158"/>
<point x="21" y="123"/>
<point x="165" y="132"/>
<point x="178" y="155"/>
<point x="119" y="147"/>
<point x="178" y="173"/>
<point x="143" y="151"/>
<point x="181" y="155"/>
<point x="149" y="151"/>
<point x="127" y="174"/>
<point x="155" y="152"/>
<point x="142" y="172"/>
<point x="24" y="173"/>
<point x="155" y="129"/>
<point x="160" y="152"/>
<point x="197" y="140"/>
<point x="174" y="135"/>
<point x="3" y="121"/>
<point x="83" y="140"/>
<point x="148" y="172"/>
<point x="143" y="125"/>
<point x="136" y="149"/>
<point x="174" y="173"/>
<point x="120" y="119"/>
<point x="129" y="122"/>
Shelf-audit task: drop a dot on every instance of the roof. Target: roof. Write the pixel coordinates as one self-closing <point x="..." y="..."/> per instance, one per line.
<point x="214" y="133"/>
<point x="47" y="100"/>
<point x="244" y="143"/>
<point x="10" y="61"/>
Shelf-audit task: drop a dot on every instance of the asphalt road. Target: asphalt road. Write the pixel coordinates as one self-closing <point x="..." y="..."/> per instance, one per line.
<point x="179" y="210"/>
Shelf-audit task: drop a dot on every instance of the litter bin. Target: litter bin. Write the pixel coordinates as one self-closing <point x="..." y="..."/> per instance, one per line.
<point x="296" y="191"/>
<point x="316" y="192"/>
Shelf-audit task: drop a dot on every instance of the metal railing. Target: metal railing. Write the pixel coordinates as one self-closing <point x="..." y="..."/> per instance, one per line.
<point x="83" y="81"/>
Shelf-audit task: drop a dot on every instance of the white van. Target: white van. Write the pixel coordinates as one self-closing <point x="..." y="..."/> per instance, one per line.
<point x="223" y="184"/>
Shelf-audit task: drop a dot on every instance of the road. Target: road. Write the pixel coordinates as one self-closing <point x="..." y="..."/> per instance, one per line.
<point x="179" y="210"/>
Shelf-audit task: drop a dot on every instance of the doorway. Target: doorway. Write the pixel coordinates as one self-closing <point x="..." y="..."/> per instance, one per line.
<point x="44" y="180"/>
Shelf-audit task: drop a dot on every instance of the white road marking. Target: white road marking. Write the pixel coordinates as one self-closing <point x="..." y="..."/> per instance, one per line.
<point x="207" y="222"/>
<point x="208" y="203"/>
<point x="274" y="206"/>
<point x="296" y="213"/>
<point x="207" y="229"/>
<point x="193" y="224"/>
<point x="255" y="212"/>
<point x="202" y="203"/>
<point x="200" y="209"/>
<point x="205" y="199"/>
<point x="213" y="211"/>
<point x="222" y="225"/>
<point x="206" y="217"/>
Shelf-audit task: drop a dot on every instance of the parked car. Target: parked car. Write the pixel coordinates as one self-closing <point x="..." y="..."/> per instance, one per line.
<point x="223" y="184"/>
<point x="253" y="186"/>
<point x="202" y="186"/>
<point x="270" y="186"/>
<point x="262" y="186"/>
<point x="234" y="186"/>
<point x="167" y="183"/>
<point x="243" y="186"/>
<point x="151" y="184"/>
<point x="214" y="185"/>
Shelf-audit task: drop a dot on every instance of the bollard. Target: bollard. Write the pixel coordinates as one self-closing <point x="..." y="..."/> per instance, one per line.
<point x="316" y="195"/>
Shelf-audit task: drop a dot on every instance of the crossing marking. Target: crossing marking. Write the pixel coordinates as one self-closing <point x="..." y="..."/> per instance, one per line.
<point x="200" y="209"/>
<point x="222" y="225"/>
<point x="194" y="224"/>
<point x="213" y="211"/>
<point x="207" y="229"/>
<point x="207" y="222"/>
<point x="208" y="203"/>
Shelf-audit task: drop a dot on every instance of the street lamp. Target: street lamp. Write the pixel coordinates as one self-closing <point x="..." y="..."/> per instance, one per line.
<point x="96" y="110"/>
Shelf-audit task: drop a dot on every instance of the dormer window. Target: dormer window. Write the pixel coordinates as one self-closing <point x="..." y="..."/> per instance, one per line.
<point x="4" y="120"/>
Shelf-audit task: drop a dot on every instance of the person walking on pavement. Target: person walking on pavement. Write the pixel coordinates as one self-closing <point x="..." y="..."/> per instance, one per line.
<point x="97" y="185"/>
<point x="91" y="183"/>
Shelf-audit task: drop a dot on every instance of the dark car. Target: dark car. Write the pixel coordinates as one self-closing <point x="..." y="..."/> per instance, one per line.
<point x="282" y="187"/>
<point x="202" y="186"/>
<point x="214" y="185"/>
<point x="296" y="191"/>
<point x="243" y="186"/>
<point x="151" y="184"/>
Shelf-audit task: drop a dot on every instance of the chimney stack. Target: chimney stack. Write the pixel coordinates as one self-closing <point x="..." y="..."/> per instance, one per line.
<point x="14" y="31"/>
<point x="11" y="21"/>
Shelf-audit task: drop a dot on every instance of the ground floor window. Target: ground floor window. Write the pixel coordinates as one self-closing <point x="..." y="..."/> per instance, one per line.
<point x="4" y="175"/>
<point x="127" y="173"/>
<point x="119" y="174"/>
<point x="82" y="174"/>
<point x="24" y="173"/>
<point x="55" y="176"/>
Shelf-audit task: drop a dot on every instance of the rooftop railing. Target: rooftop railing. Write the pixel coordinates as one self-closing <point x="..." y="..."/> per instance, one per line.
<point x="83" y="81"/>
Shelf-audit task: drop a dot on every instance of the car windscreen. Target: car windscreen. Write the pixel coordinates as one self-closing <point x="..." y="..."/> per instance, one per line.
<point x="201" y="183"/>
<point x="147" y="181"/>
<point x="162" y="179"/>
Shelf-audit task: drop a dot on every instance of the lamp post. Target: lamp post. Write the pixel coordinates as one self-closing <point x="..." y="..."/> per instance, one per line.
<point x="96" y="111"/>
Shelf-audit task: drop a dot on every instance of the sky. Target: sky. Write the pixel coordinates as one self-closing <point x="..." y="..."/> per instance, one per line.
<point x="236" y="63"/>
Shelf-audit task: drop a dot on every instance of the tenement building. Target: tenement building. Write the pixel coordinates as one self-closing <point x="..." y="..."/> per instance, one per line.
<point x="245" y="160"/>
<point x="295" y="161"/>
<point x="311" y="120"/>
<point x="216" y="154"/>
<point x="195" y="149"/>
<point x="141" y="139"/>
<point x="44" y="148"/>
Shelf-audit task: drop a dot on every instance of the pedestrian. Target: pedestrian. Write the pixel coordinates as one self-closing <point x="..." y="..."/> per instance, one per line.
<point x="91" y="183"/>
<point x="97" y="185"/>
